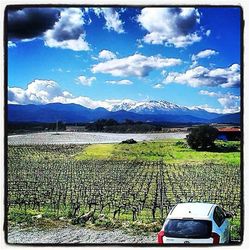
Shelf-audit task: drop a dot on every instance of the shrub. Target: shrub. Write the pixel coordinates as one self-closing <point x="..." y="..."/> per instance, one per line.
<point x="202" y="137"/>
<point x="129" y="141"/>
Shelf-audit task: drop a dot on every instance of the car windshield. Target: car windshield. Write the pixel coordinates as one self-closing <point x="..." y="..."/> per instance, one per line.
<point x="188" y="228"/>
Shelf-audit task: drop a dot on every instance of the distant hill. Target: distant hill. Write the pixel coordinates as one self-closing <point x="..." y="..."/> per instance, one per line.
<point x="228" y="118"/>
<point x="53" y="112"/>
<point x="70" y="113"/>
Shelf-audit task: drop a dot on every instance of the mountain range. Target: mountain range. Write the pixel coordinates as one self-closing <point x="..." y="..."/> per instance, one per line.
<point x="146" y="111"/>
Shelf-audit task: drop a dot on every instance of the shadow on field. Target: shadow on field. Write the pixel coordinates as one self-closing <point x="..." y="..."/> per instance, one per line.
<point x="225" y="148"/>
<point x="218" y="147"/>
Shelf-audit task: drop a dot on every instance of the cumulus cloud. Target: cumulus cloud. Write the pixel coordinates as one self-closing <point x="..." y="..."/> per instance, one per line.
<point x="17" y="96"/>
<point x="170" y="26"/>
<point x="68" y="31"/>
<point x="38" y="91"/>
<point x="201" y="76"/>
<point x="85" y="81"/>
<point x="204" y="54"/>
<point x="11" y="44"/>
<point x="48" y="91"/>
<point x="26" y="23"/>
<point x="112" y="18"/>
<point x="229" y="102"/>
<point x="120" y="82"/>
<point x="106" y="55"/>
<point x="59" y="28"/>
<point x="135" y="65"/>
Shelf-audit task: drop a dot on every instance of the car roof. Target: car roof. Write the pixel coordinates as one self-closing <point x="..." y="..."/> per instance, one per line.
<point x="191" y="210"/>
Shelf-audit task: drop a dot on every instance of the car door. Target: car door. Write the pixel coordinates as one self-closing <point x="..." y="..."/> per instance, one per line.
<point x="222" y="223"/>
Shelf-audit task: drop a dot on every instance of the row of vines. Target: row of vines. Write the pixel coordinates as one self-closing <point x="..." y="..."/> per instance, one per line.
<point x="40" y="176"/>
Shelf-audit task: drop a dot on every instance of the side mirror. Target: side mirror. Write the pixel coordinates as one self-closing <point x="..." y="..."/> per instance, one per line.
<point x="228" y="214"/>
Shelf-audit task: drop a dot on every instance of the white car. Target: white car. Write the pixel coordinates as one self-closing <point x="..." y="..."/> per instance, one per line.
<point x="196" y="223"/>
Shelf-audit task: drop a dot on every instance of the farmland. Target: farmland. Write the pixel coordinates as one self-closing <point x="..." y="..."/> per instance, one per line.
<point x="86" y="137"/>
<point x="119" y="185"/>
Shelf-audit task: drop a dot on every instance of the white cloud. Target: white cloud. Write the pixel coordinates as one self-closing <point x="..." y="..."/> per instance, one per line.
<point x="111" y="17"/>
<point x="201" y="76"/>
<point x="106" y="54"/>
<point x="229" y="102"/>
<point x="164" y="73"/>
<point x="219" y="94"/>
<point x="208" y="32"/>
<point x="205" y="107"/>
<point x="120" y="82"/>
<point x="11" y="44"/>
<point x="208" y="93"/>
<point x="27" y="40"/>
<point x="204" y="54"/>
<point x="87" y="102"/>
<point x="216" y="110"/>
<point x="158" y="86"/>
<point x="194" y="64"/>
<point x="38" y="91"/>
<point x="83" y="80"/>
<point x="68" y="32"/>
<point x="135" y="65"/>
<point x="17" y="96"/>
<point x="48" y="91"/>
<point x="170" y="26"/>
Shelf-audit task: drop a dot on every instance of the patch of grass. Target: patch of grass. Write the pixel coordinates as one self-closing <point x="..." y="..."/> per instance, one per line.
<point x="43" y="219"/>
<point x="136" y="227"/>
<point x="228" y="146"/>
<point x="96" y="151"/>
<point x="170" y="151"/>
<point x="18" y="216"/>
<point x="235" y="231"/>
<point x="104" y="221"/>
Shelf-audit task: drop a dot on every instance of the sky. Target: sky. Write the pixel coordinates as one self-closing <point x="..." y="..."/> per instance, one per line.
<point x="99" y="57"/>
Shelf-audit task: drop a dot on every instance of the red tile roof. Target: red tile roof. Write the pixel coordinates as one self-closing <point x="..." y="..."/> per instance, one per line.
<point x="229" y="129"/>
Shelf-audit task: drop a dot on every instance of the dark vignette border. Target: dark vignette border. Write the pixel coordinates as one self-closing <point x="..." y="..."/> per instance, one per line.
<point x="5" y="226"/>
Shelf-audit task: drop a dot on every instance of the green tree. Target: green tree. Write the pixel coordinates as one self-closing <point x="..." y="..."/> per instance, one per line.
<point x="202" y="137"/>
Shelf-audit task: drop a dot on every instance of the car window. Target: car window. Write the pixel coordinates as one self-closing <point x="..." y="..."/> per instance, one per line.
<point x="219" y="216"/>
<point x="188" y="228"/>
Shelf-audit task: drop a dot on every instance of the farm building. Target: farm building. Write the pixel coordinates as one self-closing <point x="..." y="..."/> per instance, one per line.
<point x="229" y="134"/>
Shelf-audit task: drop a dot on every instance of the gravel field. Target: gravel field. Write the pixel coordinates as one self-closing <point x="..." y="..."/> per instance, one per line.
<point x="74" y="234"/>
<point x="85" y="137"/>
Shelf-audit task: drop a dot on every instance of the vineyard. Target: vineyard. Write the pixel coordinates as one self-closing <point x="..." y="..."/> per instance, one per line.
<point x="50" y="179"/>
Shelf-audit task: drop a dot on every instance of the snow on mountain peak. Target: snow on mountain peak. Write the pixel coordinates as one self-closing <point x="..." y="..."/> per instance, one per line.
<point x="147" y="106"/>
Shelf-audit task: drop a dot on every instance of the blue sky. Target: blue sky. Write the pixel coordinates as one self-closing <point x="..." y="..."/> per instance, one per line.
<point x="102" y="56"/>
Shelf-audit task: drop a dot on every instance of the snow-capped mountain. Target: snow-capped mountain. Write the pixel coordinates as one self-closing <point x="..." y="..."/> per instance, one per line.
<point x="148" y="111"/>
<point x="160" y="108"/>
<point x="147" y="107"/>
